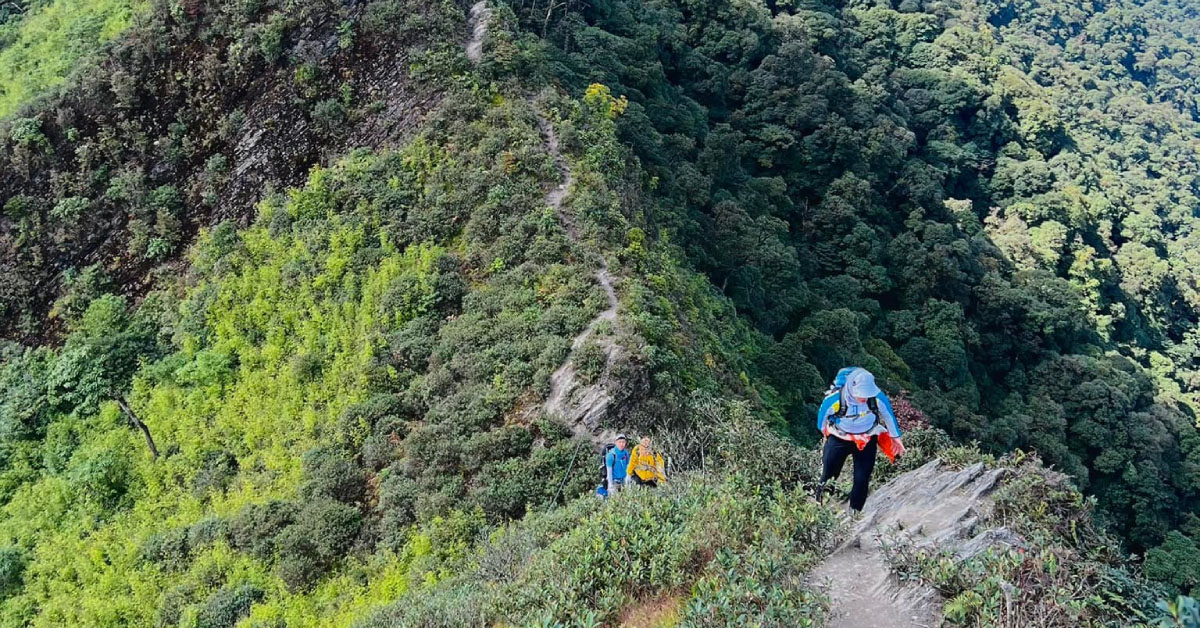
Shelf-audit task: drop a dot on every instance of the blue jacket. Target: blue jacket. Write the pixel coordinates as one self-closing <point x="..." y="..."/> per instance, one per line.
<point x="858" y="418"/>
<point x="616" y="463"/>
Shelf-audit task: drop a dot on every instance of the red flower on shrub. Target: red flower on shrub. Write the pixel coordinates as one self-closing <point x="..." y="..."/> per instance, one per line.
<point x="907" y="415"/>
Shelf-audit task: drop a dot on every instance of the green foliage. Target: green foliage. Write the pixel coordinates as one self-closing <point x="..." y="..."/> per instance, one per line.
<point x="27" y="133"/>
<point x="12" y="570"/>
<point x="589" y="560"/>
<point x="359" y="319"/>
<point x="1184" y="612"/>
<point x="988" y="207"/>
<point x="590" y="360"/>
<point x="227" y="606"/>
<point x="254" y="529"/>
<point x="39" y="50"/>
<point x="320" y="535"/>
<point x="1175" y="562"/>
<point x="329" y="475"/>
<point x="909" y="181"/>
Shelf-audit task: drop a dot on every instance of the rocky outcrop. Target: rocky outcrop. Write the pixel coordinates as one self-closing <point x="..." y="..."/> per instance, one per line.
<point x="933" y="506"/>
<point x="481" y="16"/>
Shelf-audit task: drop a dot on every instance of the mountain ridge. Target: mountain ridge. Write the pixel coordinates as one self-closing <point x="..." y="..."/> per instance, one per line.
<point x="375" y="274"/>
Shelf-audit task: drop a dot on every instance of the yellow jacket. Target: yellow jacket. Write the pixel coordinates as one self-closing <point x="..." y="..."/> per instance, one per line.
<point x="648" y="465"/>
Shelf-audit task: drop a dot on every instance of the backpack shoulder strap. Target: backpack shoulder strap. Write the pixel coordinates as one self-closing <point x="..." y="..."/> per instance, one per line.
<point x="873" y="405"/>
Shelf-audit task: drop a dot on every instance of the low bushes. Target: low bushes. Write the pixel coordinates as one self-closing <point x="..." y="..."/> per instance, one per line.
<point x="581" y="564"/>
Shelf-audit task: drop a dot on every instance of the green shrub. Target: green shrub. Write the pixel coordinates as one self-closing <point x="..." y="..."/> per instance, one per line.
<point x="330" y="116"/>
<point x="1176" y="562"/>
<point x="172" y="605"/>
<point x="1183" y="612"/>
<point x="254" y="528"/>
<point x="102" y="475"/>
<point x="27" y="133"/>
<point x="207" y="531"/>
<point x="12" y="570"/>
<point x="81" y="288"/>
<point x="323" y="531"/>
<point x="270" y="37"/>
<point x="171" y="549"/>
<point x="590" y="361"/>
<point x="510" y="441"/>
<point x="586" y="562"/>
<point x="299" y="563"/>
<point x="25" y="405"/>
<point x="70" y="208"/>
<point x="765" y="582"/>
<point x="227" y="606"/>
<point x="216" y="470"/>
<point x="330" y="475"/>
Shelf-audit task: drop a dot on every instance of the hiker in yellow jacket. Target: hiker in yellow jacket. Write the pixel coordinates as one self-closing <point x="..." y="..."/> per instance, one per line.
<point x="646" y="466"/>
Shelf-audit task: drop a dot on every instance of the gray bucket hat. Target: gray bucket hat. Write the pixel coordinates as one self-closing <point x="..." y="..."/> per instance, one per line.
<point x="861" y="383"/>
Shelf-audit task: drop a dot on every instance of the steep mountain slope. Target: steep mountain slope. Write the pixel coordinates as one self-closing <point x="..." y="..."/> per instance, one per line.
<point x="981" y="201"/>
<point x="725" y="553"/>
<point x="373" y="278"/>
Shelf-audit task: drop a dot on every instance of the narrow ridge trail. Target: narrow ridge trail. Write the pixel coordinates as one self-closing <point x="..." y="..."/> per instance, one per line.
<point x="580" y="406"/>
<point x="481" y="15"/>
<point x="932" y="506"/>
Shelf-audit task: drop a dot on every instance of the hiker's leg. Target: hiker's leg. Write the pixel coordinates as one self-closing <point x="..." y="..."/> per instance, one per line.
<point x="864" y="464"/>
<point x="833" y="457"/>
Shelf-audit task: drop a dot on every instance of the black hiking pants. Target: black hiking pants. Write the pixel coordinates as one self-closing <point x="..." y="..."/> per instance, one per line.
<point x="640" y="482"/>
<point x="834" y="456"/>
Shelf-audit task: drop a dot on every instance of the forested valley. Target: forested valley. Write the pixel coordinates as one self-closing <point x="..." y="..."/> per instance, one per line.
<point x="285" y="289"/>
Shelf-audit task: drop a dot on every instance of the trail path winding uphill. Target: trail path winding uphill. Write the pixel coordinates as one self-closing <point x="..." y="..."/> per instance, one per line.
<point x="931" y="505"/>
<point x="580" y="406"/>
<point x="481" y="15"/>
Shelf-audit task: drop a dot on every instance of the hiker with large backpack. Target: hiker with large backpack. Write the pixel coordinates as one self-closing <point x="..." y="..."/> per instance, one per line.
<point x="616" y="465"/>
<point x="857" y="420"/>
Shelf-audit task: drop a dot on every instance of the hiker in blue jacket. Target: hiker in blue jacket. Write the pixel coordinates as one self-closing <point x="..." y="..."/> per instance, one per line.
<point x="856" y="420"/>
<point x="616" y="465"/>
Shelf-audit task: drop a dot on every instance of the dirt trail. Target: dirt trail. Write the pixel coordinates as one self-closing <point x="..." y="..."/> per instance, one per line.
<point x="481" y="15"/>
<point x="929" y="506"/>
<point x="580" y="406"/>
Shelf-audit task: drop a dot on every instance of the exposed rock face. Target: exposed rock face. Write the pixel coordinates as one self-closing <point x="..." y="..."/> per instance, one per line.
<point x="929" y="506"/>
<point x="934" y="505"/>
<point x="481" y="15"/>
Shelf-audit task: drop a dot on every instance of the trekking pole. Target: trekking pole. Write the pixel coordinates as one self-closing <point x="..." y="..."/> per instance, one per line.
<point x="568" y="473"/>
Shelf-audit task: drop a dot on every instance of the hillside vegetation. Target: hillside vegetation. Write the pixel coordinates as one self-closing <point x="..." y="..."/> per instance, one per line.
<point x="42" y="42"/>
<point x="282" y="292"/>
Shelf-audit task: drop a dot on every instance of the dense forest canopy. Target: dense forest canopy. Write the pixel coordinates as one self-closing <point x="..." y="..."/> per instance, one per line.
<point x="305" y="246"/>
<point x="993" y="202"/>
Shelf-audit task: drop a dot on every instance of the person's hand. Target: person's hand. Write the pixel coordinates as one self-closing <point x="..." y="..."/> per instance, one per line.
<point x="899" y="447"/>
